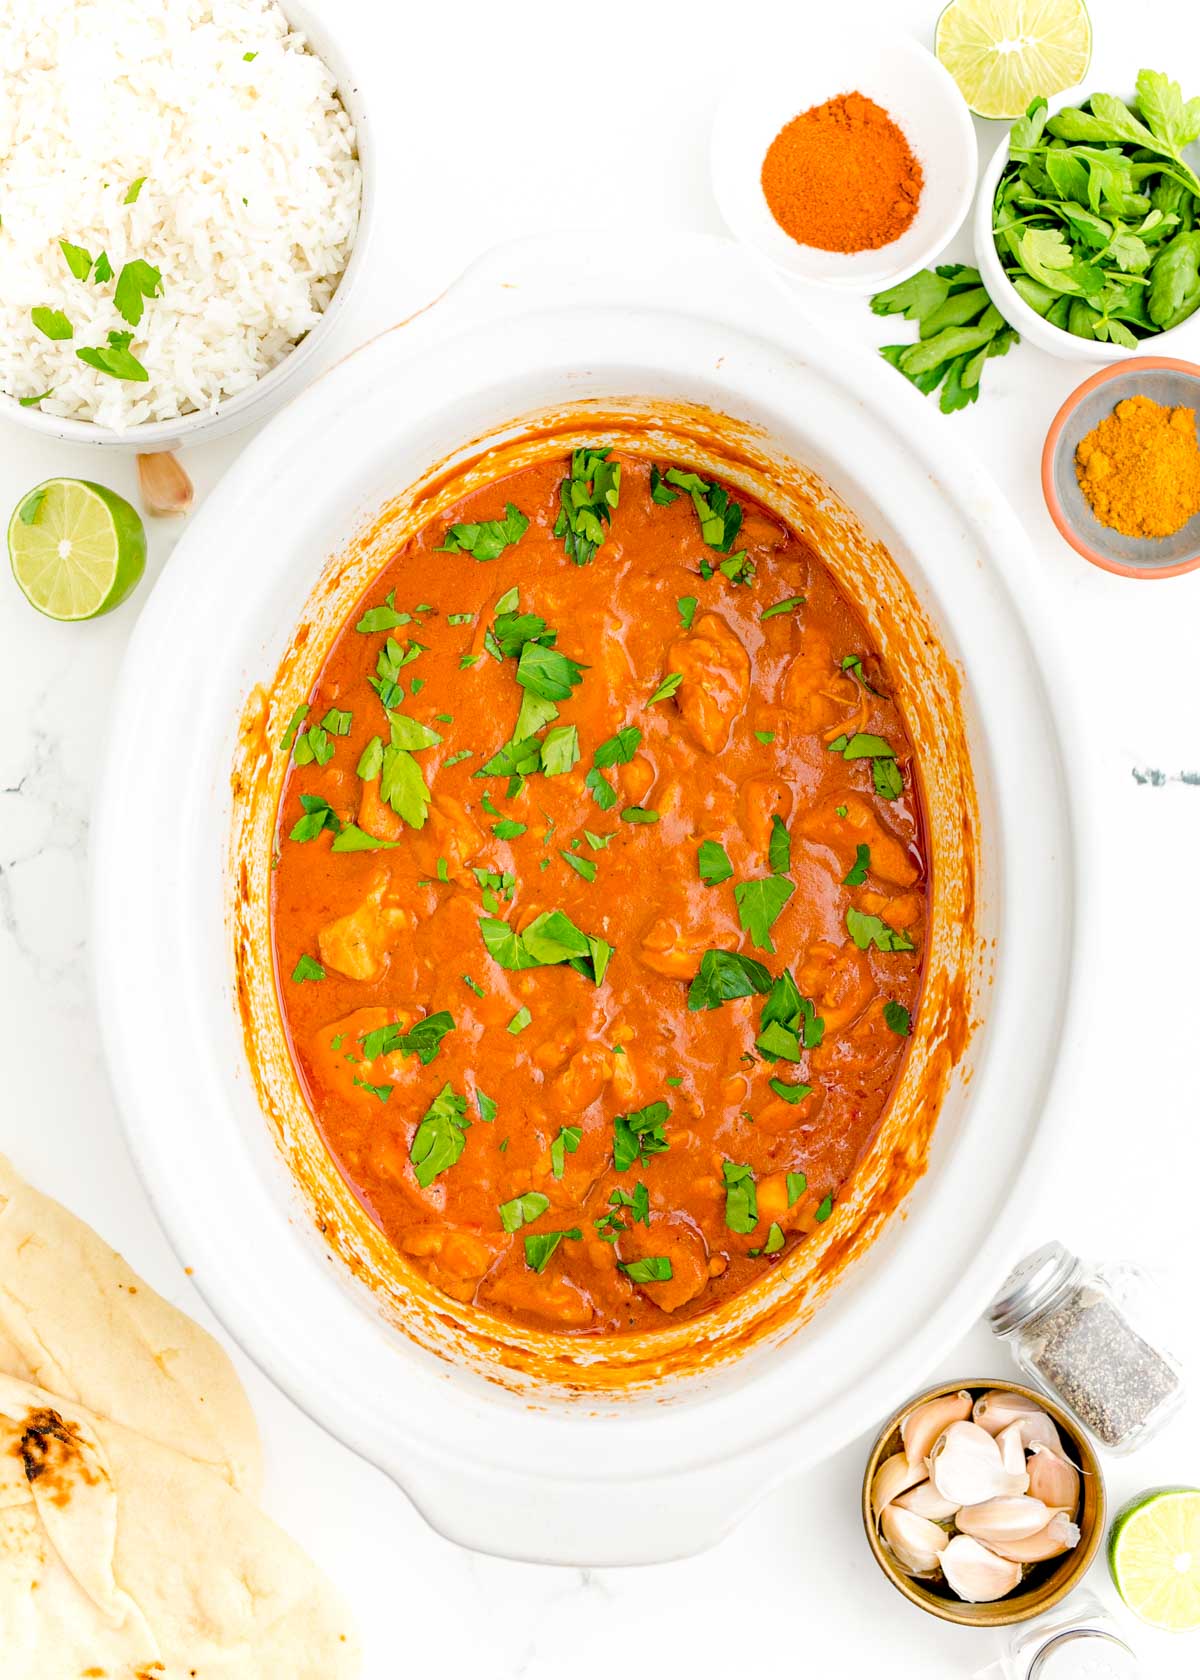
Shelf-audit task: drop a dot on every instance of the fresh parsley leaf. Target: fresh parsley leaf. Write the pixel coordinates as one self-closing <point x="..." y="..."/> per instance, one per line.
<point x="658" y="490"/>
<point x="897" y="1018"/>
<point x="759" y="903"/>
<point x="541" y="1245"/>
<point x="485" y="1104"/>
<point x="790" y="1093"/>
<point x="131" y="197"/>
<point x="741" y="1198"/>
<point x="789" y="1023"/>
<point x="639" y="1135"/>
<point x="587" y="498"/>
<point x="51" y="323"/>
<point x="885" y="773"/>
<point x="440" y="1138"/>
<point x="423" y="1039"/>
<point x="668" y="686"/>
<point x="307" y="968"/>
<point x="116" y="359"/>
<point x="473" y="985"/>
<point x="853" y="666"/>
<point x="383" y="1092"/>
<point x="560" y="750"/>
<point x="136" y="282"/>
<point x="566" y="1143"/>
<point x="410" y="735"/>
<point x="550" y="938"/>
<point x="581" y="865"/>
<point x="723" y="975"/>
<point x="779" y="847"/>
<point x="638" y="814"/>
<point x="790" y="605"/>
<point x="509" y="631"/>
<point x="371" y="760"/>
<point x="337" y="723"/>
<point x="766" y="736"/>
<point x="775" y="1239"/>
<point x="355" y="839"/>
<point x="687" y="605"/>
<point x="384" y="617"/>
<point x="402" y="786"/>
<point x="597" y="841"/>
<point x="78" y="260"/>
<point x="507" y="829"/>
<point x="548" y="673"/>
<point x="102" y="273"/>
<point x="872" y="930"/>
<point x="797" y="1184"/>
<point x="862" y="746"/>
<point x="523" y="1210"/>
<point x="318" y="815"/>
<point x="653" y="1268"/>
<point x="313" y="746"/>
<point x="713" y="862"/>
<point x="32" y="402"/>
<point x="719" y="515"/>
<point x="601" y="789"/>
<point x="619" y="748"/>
<point x="825" y="1209"/>
<point x="857" y="872"/>
<point x="488" y="539"/>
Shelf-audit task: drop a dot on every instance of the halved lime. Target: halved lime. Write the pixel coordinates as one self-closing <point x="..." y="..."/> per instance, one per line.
<point x="1003" y="53"/>
<point x="77" y="549"/>
<point x="1154" y="1557"/>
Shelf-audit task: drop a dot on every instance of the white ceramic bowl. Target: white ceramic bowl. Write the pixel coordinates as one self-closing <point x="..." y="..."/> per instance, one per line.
<point x="809" y="63"/>
<point x="286" y="377"/>
<point x="542" y="1475"/>
<point x="1183" y="340"/>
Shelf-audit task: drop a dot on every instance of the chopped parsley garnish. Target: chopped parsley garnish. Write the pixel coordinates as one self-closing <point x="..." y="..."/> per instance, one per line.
<point x="78" y="260"/>
<point x="668" y="686"/>
<point x="779" y="847"/>
<point x="797" y="1184"/>
<point x="116" y="359"/>
<point x="351" y="838"/>
<point x="566" y="1143"/>
<point x="523" y="1210"/>
<point x="897" y="1018"/>
<point x="308" y="968"/>
<point x="825" y="1209"/>
<point x="441" y="1137"/>
<point x="885" y="772"/>
<point x="337" y="723"/>
<point x="32" y="402"/>
<point x="587" y="499"/>
<point x="687" y="605"/>
<point x="857" y="872"/>
<point x="601" y="789"/>
<point x="597" y="841"/>
<point x="618" y="748"/>
<point x="473" y="985"/>
<point x="457" y="758"/>
<point x="384" y="617"/>
<point x="382" y="1092"/>
<point x="507" y="829"/>
<point x="460" y="618"/>
<point x="51" y="323"/>
<point x="873" y="930"/>
<point x="402" y="786"/>
<point x="853" y="666"/>
<point x="313" y="746"/>
<point x="724" y="975"/>
<point x="319" y="814"/>
<point x="759" y="903"/>
<point x="131" y="197"/>
<point x="102" y="273"/>
<point x="547" y="673"/>
<point x="519" y="1021"/>
<point x="136" y="282"/>
<point x="410" y="735"/>
<point x="841" y="810"/>
<point x="540" y="1246"/>
<point x="638" y="814"/>
<point x="775" y="1239"/>
<point x="487" y="539"/>
<point x="486" y="1105"/>
<point x="789" y="1023"/>
<point x="423" y="1039"/>
<point x="713" y="862"/>
<point x="790" y="605"/>
<point x="658" y="490"/>
<point x="508" y="632"/>
<point x="655" y="1268"/>
<point x="719" y="515"/>
<point x="370" y="761"/>
<point x="638" y="1136"/>
<point x="581" y="866"/>
<point x="550" y="938"/>
<point x="741" y="1198"/>
<point x="790" y="1093"/>
<point x="560" y="750"/>
<point x="766" y="736"/>
<point x="392" y="660"/>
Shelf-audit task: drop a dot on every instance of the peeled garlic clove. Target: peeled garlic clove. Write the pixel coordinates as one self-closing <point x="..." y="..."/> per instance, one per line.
<point x="999" y="1408"/>
<point x="966" y="1467"/>
<point x="922" y="1426"/>
<point x="976" y="1574"/>
<point x="893" y="1476"/>
<point x="1012" y="1449"/>
<point x="924" y="1500"/>
<point x="1053" y="1480"/>
<point x="1013" y="1518"/>
<point x="165" y="487"/>
<point x="1059" y="1535"/>
<point x="916" y="1543"/>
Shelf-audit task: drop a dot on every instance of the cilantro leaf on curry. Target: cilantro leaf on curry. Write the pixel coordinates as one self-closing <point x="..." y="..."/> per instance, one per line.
<point x="588" y="496"/>
<point x="488" y="539"/>
<point x="639" y="1135"/>
<point x="440" y="1138"/>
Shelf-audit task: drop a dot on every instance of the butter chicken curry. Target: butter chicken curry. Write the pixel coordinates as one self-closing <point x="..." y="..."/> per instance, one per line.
<point x="600" y="899"/>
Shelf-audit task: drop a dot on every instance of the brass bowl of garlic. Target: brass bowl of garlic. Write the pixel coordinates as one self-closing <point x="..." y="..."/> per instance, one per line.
<point x="983" y="1502"/>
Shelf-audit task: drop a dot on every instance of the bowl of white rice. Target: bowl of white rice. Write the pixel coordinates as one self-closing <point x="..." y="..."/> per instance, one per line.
<point x="185" y="189"/>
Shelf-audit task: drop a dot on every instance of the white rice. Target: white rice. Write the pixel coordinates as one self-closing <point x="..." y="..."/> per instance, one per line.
<point x="249" y="206"/>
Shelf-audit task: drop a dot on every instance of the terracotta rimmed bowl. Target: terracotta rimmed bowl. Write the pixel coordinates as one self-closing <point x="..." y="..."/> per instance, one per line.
<point x="1173" y="383"/>
<point x="1046" y="1584"/>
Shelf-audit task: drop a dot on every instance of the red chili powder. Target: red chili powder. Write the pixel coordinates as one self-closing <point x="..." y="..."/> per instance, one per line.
<point x="842" y="177"/>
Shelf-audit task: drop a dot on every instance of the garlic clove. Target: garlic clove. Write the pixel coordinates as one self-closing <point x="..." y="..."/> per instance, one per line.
<point x="966" y="1467"/>
<point x="976" y="1574"/>
<point x="1013" y="1518"/>
<point x="924" y="1500"/>
<point x="1059" y="1535"/>
<point x="1053" y="1480"/>
<point x="999" y="1408"/>
<point x="922" y="1426"/>
<point x="893" y="1476"/>
<point x="166" y="489"/>
<point x="1012" y="1449"/>
<point x="916" y="1543"/>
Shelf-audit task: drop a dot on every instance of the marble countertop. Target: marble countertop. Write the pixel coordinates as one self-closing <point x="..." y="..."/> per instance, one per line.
<point x="483" y="115"/>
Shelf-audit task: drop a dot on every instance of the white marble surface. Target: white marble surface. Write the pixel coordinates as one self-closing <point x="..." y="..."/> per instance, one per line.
<point x="492" y="122"/>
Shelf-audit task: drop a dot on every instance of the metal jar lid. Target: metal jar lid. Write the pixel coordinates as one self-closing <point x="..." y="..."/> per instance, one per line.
<point x="1033" y="1286"/>
<point x="1085" y="1654"/>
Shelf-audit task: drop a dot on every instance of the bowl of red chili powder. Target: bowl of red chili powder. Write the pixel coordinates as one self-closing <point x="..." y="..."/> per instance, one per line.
<point x="846" y="162"/>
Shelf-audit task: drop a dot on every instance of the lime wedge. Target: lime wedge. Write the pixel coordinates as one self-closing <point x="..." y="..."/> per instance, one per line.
<point x="1003" y="53"/>
<point x="1154" y="1557"/>
<point x="76" y="548"/>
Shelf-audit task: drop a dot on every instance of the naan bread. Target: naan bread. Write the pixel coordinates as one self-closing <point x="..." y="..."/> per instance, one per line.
<point x="76" y="1321"/>
<point x="122" y="1557"/>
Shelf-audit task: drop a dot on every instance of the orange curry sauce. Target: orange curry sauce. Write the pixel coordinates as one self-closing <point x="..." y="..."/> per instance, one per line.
<point x="522" y="1116"/>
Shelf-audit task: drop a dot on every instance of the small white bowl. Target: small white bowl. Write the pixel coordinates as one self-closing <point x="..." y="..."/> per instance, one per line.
<point x="1183" y="340"/>
<point x="286" y="377"/>
<point x="806" y="67"/>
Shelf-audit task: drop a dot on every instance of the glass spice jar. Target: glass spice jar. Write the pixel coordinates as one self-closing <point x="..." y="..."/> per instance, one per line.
<point x="1067" y="1322"/>
<point x="1078" y="1640"/>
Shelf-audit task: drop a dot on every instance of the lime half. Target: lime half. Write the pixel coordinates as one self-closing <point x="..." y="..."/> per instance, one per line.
<point x="1154" y="1556"/>
<point x="76" y="548"/>
<point x="1003" y="53"/>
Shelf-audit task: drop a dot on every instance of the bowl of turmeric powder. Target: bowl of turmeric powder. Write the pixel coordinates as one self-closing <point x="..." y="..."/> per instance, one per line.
<point x="844" y="161"/>
<point x="1121" y="468"/>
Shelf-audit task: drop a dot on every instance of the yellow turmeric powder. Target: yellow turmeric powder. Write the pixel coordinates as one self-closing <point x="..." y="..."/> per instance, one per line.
<point x="1140" y="468"/>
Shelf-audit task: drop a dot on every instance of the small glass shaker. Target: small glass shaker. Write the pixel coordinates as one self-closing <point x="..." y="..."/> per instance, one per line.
<point x="1066" y="1321"/>
<point x="1077" y="1640"/>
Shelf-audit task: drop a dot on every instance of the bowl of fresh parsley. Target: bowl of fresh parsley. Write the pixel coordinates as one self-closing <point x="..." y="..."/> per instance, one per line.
<point x="1087" y="223"/>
